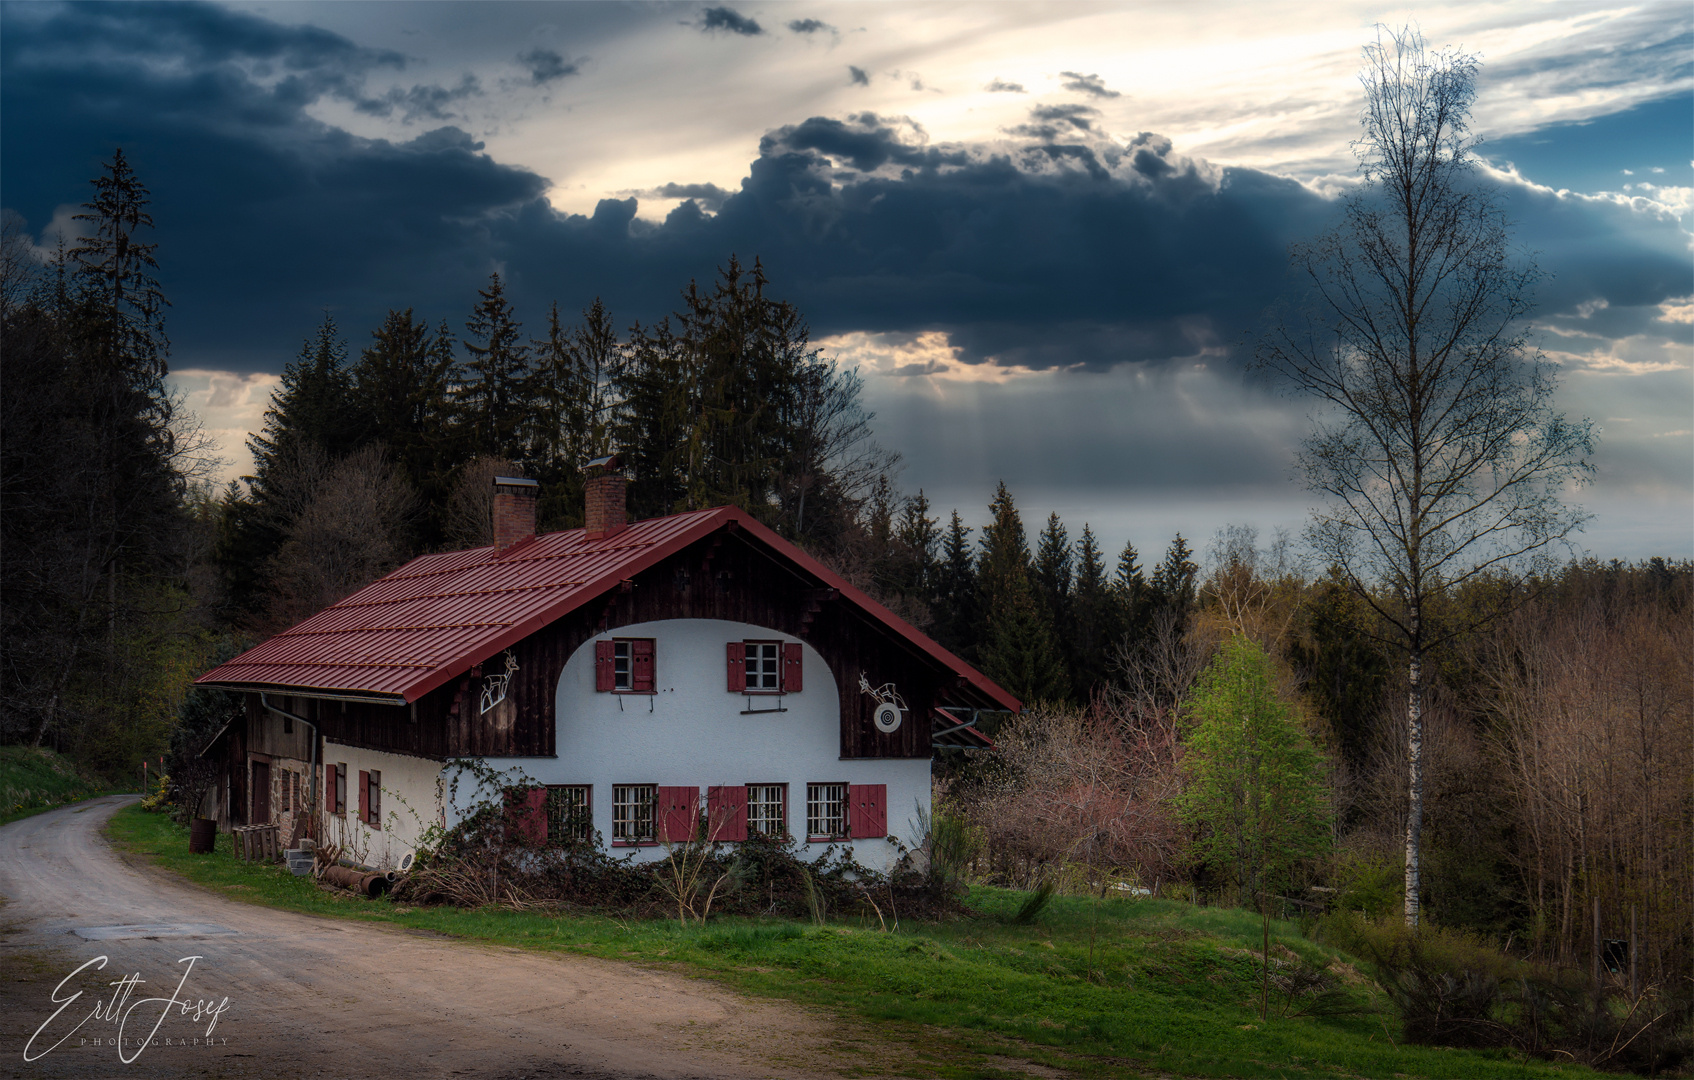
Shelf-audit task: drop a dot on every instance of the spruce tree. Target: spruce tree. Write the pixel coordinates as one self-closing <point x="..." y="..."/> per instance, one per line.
<point x="878" y="518"/>
<point x="651" y="385"/>
<point x="495" y="393"/>
<point x="315" y="404"/>
<point x="117" y="268"/>
<point x="1017" y="649"/>
<point x="403" y="385"/>
<point x="1095" y="626"/>
<point x="1175" y="581"/>
<point x="957" y="626"/>
<point x="1132" y="597"/>
<point x="918" y="542"/>
<point x="1053" y="572"/>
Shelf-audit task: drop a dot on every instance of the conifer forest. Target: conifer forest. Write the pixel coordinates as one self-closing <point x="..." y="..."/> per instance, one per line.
<point x="1555" y="704"/>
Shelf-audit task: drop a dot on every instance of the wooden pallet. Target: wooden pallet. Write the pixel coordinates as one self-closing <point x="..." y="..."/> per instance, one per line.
<point x="258" y="842"/>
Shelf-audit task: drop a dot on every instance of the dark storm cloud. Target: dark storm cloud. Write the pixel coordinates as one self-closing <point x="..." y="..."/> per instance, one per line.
<point x="1000" y="86"/>
<point x="1051" y="121"/>
<point x="722" y="18"/>
<point x="1092" y="85"/>
<point x="858" y="76"/>
<point x="431" y="101"/>
<point x="1063" y="248"/>
<point x="865" y="141"/>
<point x="545" y="65"/>
<point x="810" y="26"/>
<point x="710" y="196"/>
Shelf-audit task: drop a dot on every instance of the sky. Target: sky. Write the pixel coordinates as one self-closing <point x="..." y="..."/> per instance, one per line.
<point x="1045" y="234"/>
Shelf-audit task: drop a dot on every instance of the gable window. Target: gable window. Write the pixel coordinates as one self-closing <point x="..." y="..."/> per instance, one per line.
<point x="632" y="813"/>
<point x="765" y="667"/>
<point x="826" y="811"/>
<point x="569" y="811"/>
<point x="765" y="815"/>
<point x="624" y="666"/>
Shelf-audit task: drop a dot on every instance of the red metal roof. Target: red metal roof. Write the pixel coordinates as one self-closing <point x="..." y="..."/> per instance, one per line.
<point x="437" y="616"/>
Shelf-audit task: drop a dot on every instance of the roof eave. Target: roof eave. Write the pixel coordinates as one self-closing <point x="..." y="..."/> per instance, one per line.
<point x="369" y="697"/>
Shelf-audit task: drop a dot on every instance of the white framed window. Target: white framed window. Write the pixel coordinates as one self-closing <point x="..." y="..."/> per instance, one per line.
<point x="764" y="666"/>
<point x="765" y="810"/>
<point x="624" y="665"/>
<point x="632" y="813"/>
<point x="826" y="811"/>
<point x="570" y="811"/>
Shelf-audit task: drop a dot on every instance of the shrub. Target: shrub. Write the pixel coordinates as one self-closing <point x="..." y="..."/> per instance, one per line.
<point x="493" y="856"/>
<point x="1075" y="787"/>
<point x="1454" y="989"/>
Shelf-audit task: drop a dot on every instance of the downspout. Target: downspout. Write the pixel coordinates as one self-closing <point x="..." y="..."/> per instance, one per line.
<point x="312" y="781"/>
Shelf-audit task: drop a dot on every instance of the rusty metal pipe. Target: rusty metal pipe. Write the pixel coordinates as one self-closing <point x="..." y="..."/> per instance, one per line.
<point x="345" y="877"/>
<point x="374" y="884"/>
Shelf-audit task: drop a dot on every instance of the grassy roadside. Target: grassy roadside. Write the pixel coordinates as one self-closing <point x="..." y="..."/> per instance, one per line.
<point x="1125" y="987"/>
<point x="34" y="779"/>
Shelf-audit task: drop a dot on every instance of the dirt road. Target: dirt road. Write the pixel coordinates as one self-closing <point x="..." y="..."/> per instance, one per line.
<point x="318" y="997"/>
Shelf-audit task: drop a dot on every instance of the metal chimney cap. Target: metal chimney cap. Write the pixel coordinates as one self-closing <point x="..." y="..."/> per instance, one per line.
<point x="608" y="462"/>
<point x="515" y="481"/>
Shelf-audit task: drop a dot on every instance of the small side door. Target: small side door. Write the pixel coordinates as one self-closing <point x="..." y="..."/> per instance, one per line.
<point x="261" y="793"/>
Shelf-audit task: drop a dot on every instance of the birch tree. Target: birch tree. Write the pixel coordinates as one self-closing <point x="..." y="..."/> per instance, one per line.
<point x="1436" y="447"/>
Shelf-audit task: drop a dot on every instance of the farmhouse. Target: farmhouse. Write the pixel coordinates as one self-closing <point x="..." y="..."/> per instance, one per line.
<point x="648" y="675"/>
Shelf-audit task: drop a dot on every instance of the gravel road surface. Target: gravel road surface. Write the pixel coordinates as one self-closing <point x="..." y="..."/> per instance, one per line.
<point x="302" y="996"/>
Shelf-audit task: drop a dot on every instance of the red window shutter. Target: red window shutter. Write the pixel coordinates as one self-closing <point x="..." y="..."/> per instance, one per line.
<point x="791" y="667"/>
<point x="364" y="796"/>
<point x="677" y="812"/>
<point x="529" y="817"/>
<point x="867" y="813"/>
<point x="726" y="813"/>
<point x="641" y="665"/>
<point x="329" y="788"/>
<point x="604" y="677"/>
<point x="737" y="667"/>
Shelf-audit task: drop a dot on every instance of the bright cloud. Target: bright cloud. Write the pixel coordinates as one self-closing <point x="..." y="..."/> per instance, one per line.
<point x="231" y="406"/>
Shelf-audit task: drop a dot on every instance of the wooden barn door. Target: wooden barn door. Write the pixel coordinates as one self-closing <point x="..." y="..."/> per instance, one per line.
<point x="261" y="793"/>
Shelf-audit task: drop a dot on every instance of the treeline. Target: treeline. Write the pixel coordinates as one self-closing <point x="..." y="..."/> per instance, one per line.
<point x="364" y="461"/>
<point x="1557" y="752"/>
<point x="102" y="535"/>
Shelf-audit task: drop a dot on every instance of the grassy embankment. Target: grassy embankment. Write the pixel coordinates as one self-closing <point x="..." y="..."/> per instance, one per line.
<point x="33" y="779"/>
<point x="1125" y="987"/>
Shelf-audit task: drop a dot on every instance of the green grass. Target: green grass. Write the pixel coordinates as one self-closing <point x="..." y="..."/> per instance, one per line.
<point x="34" y="779"/>
<point x="1164" y="988"/>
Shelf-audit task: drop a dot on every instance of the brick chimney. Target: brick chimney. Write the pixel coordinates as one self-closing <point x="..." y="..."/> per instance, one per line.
<point x="514" y="510"/>
<point x="604" y="513"/>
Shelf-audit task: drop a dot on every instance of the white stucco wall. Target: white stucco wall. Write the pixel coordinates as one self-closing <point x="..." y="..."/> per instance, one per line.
<point x="692" y="733"/>
<point x="409" y="803"/>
